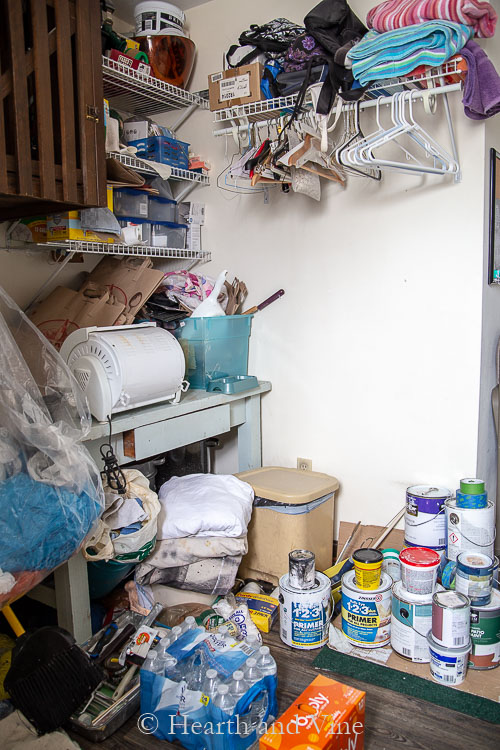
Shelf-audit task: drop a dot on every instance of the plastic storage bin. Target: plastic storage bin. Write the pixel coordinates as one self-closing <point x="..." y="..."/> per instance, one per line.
<point x="130" y="202"/>
<point x="144" y="235"/>
<point x="214" y="347"/>
<point x="168" y="234"/>
<point x="163" y="149"/>
<point x="296" y="511"/>
<point x="163" y="209"/>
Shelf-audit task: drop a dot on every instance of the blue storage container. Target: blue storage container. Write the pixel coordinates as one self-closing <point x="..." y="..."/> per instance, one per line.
<point x="214" y="347"/>
<point x="163" y="209"/>
<point x="163" y="149"/>
<point x="130" y="202"/>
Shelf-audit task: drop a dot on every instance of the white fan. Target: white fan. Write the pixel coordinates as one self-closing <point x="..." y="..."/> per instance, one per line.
<point x="124" y="367"/>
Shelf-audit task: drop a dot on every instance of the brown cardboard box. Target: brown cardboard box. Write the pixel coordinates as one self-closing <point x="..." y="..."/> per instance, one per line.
<point x="131" y="281"/>
<point x="230" y="88"/>
<point x="65" y="310"/>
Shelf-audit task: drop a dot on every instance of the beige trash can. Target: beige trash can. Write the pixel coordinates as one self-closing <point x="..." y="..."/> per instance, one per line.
<point x="294" y="510"/>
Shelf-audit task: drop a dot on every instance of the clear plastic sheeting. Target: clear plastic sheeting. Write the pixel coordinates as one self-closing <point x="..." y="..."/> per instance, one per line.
<point x="50" y="488"/>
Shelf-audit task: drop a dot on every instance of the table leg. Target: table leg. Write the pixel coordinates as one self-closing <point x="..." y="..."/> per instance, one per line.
<point x="72" y="598"/>
<point x="249" y="436"/>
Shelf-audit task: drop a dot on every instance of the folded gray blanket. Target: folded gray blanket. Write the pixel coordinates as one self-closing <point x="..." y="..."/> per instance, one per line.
<point x="173" y="553"/>
<point x="209" y="576"/>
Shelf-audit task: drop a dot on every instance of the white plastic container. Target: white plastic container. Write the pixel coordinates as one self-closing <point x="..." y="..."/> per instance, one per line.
<point x="391" y="564"/>
<point x="419" y="569"/>
<point x="162" y="209"/>
<point x="411" y="620"/>
<point x="156" y="17"/>
<point x="448" y="665"/>
<point x="128" y="202"/>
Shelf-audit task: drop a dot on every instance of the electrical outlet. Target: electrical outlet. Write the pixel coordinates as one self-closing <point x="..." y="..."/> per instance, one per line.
<point x="304" y="464"/>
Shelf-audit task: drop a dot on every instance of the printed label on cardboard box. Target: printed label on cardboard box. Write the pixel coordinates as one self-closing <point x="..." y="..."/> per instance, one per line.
<point x="235" y="88"/>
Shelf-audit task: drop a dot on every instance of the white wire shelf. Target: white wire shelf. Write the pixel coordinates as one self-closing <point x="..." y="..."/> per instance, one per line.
<point x="264" y="110"/>
<point x="116" y="248"/>
<point x="141" y="165"/>
<point x="142" y="94"/>
<point x="430" y="78"/>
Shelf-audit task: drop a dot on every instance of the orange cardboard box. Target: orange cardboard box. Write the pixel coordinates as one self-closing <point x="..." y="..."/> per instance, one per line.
<point x="327" y="716"/>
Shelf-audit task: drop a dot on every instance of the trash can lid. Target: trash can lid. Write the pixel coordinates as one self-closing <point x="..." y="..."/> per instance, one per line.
<point x="289" y="485"/>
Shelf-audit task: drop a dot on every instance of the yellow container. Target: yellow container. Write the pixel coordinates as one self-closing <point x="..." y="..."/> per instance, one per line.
<point x="367" y="568"/>
<point x="296" y="511"/>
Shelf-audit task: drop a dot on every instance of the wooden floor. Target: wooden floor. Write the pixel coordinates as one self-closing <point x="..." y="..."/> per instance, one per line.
<point x="393" y="721"/>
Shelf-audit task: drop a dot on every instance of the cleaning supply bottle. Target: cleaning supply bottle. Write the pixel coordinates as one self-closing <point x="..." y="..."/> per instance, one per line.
<point x="265" y="662"/>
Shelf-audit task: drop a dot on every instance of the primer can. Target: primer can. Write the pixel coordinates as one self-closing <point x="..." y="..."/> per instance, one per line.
<point x="474" y="576"/>
<point x="305" y="613"/>
<point x="425" y="515"/>
<point x="450" y="619"/>
<point x="448" y="665"/>
<point x="469" y="529"/>
<point x="366" y="615"/>
<point x="411" y="620"/>
<point x="485" y="634"/>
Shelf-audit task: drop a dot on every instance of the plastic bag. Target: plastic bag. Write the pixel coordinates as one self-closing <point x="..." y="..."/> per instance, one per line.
<point x="50" y="489"/>
<point x="127" y="547"/>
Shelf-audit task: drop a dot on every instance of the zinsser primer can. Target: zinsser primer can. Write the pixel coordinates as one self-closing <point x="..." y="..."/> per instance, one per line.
<point x="485" y="634"/>
<point x="366" y="615"/>
<point x="425" y="524"/>
<point x="411" y="620"/>
<point x="305" y="613"/>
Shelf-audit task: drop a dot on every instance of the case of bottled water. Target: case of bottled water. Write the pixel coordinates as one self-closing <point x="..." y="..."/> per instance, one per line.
<point x="208" y="690"/>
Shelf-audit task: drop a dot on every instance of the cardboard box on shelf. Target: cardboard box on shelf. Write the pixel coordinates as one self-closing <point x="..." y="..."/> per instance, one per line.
<point x="326" y="716"/>
<point x="263" y="609"/>
<point x="139" y="65"/>
<point x="231" y="88"/>
<point x="31" y="229"/>
<point x="65" y="310"/>
<point x="131" y="281"/>
<point x="67" y="226"/>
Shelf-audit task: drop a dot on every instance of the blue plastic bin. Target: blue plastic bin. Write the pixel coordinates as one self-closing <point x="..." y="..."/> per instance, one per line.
<point x="105" y="575"/>
<point x="163" y="149"/>
<point x="214" y="347"/>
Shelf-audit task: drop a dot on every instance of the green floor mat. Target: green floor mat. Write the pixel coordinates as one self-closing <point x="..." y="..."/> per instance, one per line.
<point x="408" y="684"/>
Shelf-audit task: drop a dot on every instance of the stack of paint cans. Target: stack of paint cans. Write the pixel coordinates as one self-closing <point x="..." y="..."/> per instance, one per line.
<point x="412" y="602"/>
<point x="305" y="598"/>
<point x="366" y="601"/>
<point x="449" y="637"/>
<point x="470" y="520"/>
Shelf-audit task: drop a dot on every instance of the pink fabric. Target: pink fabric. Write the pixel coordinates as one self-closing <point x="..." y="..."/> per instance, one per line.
<point x="394" y="14"/>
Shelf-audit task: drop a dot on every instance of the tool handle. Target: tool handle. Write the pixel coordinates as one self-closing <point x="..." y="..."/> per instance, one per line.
<point x="346" y="567"/>
<point x="251" y="310"/>
<point x="125" y="635"/>
<point x="272" y="298"/>
<point x="105" y="638"/>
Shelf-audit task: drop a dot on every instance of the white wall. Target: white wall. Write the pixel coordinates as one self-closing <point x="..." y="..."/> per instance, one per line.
<point x="374" y="351"/>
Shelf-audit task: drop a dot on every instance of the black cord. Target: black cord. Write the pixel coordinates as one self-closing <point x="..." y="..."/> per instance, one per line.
<point x="112" y="472"/>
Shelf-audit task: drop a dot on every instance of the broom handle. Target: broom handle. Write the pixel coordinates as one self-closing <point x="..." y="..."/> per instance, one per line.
<point x="13" y="621"/>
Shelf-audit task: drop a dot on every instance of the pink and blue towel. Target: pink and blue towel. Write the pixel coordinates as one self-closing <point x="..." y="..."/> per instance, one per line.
<point x="395" y="14"/>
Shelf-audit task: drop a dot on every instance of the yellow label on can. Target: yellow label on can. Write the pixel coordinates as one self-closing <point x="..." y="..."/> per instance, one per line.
<point x="367" y="575"/>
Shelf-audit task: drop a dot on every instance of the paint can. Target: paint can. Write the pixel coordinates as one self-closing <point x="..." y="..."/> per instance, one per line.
<point x="411" y="620"/>
<point x="419" y="568"/>
<point x="424" y="517"/>
<point x="472" y="494"/>
<point x="474" y="576"/>
<point x="448" y="665"/>
<point x="485" y="634"/>
<point x="305" y="614"/>
<point x="391" y="564"/>
<point x="367" y="568"/>
<point x="469" y="529"/>
<point x="366" y="615"/>
<point x="302" y="569"/>
<point x="496" y="582"/>
<point x="450" y="619"/>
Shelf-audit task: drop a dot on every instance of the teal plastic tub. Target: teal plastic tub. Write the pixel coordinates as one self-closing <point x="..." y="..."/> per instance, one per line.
<point x="105" y="575"/>
<point x="214" y="347"/>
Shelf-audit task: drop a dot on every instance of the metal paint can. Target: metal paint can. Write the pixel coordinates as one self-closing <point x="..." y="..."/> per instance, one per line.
<point x="450" y="619"/>
<point x="485" y="634"/>
<point x="366" y="615"/>
<point x="474" y="576"/>
<point x="305" y="614"/>
<point x="302" y="569"/>
<point x="411" y="620"/>
<point x="448" y="665"/>
<point x="469" y="529"/>
<point x="425" y="517"/>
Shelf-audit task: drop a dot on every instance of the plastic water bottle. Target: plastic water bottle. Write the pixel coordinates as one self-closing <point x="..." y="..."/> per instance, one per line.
<point x="224" y="700"/>
<point x="188" y="624"/>
<point x="238" y="686"/>
<point x="175" y="633"/>
<point x="165" y="644"/>
<point x="210" y="683"/>
<point x="153" y="662"/>
<point x="265" y="662"/>
<point x="196" y="671"/>
<point x="252" y="672"/>
<point x="170" y="667"/>
<point x="253" y="641"/>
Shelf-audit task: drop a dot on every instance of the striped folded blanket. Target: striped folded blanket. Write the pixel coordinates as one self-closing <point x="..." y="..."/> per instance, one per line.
<point x="394" y="14"/>
<point x="399" y="52"/>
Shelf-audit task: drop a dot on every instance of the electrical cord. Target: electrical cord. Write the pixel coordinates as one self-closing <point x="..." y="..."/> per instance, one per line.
<point x="112" y="471"/>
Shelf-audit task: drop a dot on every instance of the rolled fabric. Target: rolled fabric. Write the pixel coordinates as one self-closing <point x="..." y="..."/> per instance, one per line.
<point x="395" y="14"/>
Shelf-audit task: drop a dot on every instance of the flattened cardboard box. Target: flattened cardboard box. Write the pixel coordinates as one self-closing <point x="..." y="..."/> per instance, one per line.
<point x="231" y="88"/>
